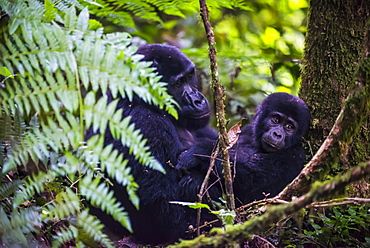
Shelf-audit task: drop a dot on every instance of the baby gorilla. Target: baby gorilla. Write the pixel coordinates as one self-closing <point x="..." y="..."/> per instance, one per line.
<point x="267" y="157"/>
<point x="270" y="155"/>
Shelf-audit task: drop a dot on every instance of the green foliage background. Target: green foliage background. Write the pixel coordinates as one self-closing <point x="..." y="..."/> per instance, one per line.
<point x="259" y="44"/>
<point x="59" y="58"/>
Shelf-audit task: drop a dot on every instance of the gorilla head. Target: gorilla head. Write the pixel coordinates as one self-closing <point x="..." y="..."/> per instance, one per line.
<point x="179" y="72"/>
<point x="280" y="122"/>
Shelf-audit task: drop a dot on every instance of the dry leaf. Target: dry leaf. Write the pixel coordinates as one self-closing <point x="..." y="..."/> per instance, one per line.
<point x="233" y="134"/>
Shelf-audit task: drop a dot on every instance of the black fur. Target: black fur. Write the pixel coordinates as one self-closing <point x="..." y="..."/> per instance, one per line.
<point x="262" y="171"/>
<point x="157" y="221"/>
<point x="268" y="154"/>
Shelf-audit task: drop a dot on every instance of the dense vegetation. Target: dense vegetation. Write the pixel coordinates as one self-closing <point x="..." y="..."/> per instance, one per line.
<point x="58" y="57"/>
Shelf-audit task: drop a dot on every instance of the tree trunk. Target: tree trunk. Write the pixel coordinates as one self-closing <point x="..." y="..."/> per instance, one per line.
<point x="335" y="51"/>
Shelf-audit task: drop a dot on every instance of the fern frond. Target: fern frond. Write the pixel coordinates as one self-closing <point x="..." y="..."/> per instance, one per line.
<point x="122" y="12"/>
<point x="117" y="16"/>
<point x="66" y="203"/>
<point x="34" y="12"/>
<point x="100" y="113"/>
<point x="64" y="235"/>
<point x="109" y="61"/>
<point x="9" y="188"/>
<point x="93" y="228"/>
<point x="111" y="162"/>
<point x="33" y="53"/>
<point x="174" y="7"/>
<point x="55" y="57"/>
<point x="33" y="184"/>
<point x="64" y="5"/>
<point x="39" y="144"/>
<point x="11" y="131"/>
<point x="141" y="8"/>
<point x="100" y="196"/>
<point x="48" y="52"/>
<point x="15" y="227"/>
<point x="104" y="64"/>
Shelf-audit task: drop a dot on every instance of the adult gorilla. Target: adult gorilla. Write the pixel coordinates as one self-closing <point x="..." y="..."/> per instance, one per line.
<point x="268" y="155"/>
<point x="157" y="221"/>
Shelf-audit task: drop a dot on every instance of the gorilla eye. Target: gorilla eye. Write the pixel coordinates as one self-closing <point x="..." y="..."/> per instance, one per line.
<point x="289" y="127"/>
<point x="275" y="120"/>
<point x="180" y="81"/>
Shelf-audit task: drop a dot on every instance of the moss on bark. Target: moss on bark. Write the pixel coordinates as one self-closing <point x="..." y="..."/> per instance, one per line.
<point x="335" y="50"/>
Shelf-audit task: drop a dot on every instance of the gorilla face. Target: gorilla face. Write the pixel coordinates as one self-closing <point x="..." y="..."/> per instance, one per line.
<point x="279" y="132"/>
<point x="280" y="122"/>
<point x="179" y="72"/>
<point x="268" y="157"/>
<point x="194" y="111"/>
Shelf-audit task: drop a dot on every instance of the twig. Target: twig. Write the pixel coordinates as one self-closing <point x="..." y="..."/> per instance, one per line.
<point x="205" y="182"/>
<point x="223" y="237"/>
<point x="265" y="242"/>
<point x="219" y="95"/>
<point x="349" y="120"/>
<point x="338" y="202"/>
<point x="267" y="200"/>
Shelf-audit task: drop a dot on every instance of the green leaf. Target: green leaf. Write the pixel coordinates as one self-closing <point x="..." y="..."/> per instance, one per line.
<point x="5" y="72"/>
<point x="50" y="11"/>
<point x="99" y="195"/>
<point x="94" y="24"/>
<point x="70" y="19"/>
<point x="83" y="20"/>
<point x="194" y="205"/>
<point x="92" y="228"/>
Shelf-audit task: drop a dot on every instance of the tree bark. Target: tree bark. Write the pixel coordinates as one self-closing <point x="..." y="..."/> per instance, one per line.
<point x="336" y="46"/>
<point x="349" y="121"/>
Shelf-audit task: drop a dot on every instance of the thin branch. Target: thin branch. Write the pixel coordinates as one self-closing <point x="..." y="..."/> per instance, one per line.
<point x="219" y="94"/>
<point x="338" y="202"/>
<point x="231" y="234"/>
<point x="267" y="200"/>
<point x="262" y="242"/>
<point x="349" y="120"/>
<point x="205" y="182"/>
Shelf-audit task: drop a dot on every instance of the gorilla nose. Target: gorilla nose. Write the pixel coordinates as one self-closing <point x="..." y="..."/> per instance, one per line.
<point x="197" y="102"/>
<point x="277" y="135"/>
<point x="194" y="99"/>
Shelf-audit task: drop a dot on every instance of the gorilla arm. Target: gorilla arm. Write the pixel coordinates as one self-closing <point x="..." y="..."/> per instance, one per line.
<point x="262" y="175"/>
